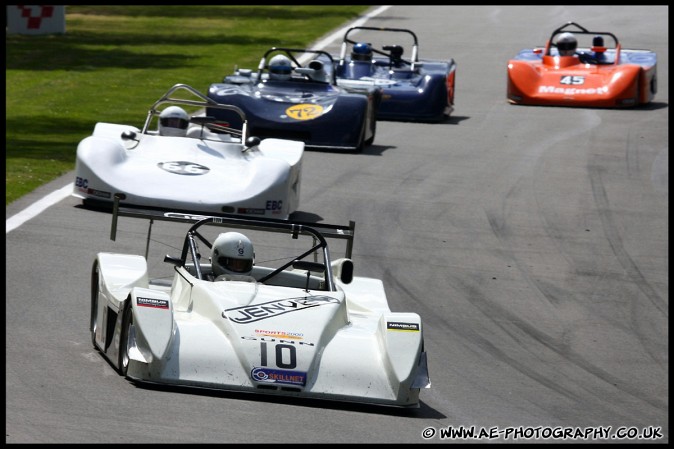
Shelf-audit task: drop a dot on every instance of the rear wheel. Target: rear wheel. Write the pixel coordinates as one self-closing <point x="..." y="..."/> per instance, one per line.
<point x="126" y="338"/>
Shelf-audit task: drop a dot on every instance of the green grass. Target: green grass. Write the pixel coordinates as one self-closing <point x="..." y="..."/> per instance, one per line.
<point x="113" y="62"/>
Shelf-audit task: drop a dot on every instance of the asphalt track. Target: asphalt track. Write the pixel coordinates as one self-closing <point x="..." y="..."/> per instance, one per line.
<point x="532" y="241"/>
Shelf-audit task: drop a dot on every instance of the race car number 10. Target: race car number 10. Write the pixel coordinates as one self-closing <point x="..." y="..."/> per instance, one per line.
<point x="282" y="352"/>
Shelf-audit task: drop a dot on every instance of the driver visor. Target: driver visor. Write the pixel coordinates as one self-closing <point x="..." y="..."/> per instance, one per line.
<point x="174" y="122"/>
<point x="236" y="265"/>
<point x="281" y="69"/>
<point x="564" y="46"/>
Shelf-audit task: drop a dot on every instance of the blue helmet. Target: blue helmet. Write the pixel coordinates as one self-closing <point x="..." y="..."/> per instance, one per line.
<point x="361" y="52"/>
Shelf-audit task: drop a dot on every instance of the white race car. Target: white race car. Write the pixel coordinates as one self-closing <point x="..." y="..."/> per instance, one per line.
<point x="300" y="324"/>
<point x="214" y="169"/>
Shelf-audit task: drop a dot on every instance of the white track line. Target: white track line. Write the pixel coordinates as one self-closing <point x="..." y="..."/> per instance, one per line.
<point x="36" y="208"/>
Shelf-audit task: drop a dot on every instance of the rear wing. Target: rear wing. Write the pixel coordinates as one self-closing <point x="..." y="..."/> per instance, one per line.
<point x="318" y="230"/>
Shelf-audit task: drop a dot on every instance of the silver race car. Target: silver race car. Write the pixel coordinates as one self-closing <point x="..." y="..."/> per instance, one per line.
<point x="287" y="321"/>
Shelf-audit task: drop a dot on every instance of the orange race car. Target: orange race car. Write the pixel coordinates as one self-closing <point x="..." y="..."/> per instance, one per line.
<point x="596" y="73"/>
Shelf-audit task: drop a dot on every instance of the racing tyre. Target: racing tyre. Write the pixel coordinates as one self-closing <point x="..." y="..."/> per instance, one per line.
<point x="361" y="139"/>
<point x="373" y="120"/>
<point x="125" y="339"/>
<point x="93" y="323"/>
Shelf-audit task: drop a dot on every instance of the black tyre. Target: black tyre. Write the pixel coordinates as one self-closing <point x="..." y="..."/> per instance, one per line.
<point x="373" y="121"/>
<point x="125" y="338"/>
<point x="93" y="323"/>
<point x="361" y="138"/>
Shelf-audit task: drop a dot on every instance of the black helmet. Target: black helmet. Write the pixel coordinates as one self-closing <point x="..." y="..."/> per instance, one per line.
<point x="566" y="44"/>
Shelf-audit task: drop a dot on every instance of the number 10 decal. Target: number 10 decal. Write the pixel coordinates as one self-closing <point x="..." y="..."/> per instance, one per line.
<point x="287" y="352"/>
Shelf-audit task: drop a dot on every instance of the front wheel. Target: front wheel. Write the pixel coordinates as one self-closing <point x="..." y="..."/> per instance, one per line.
<point x="126" y="339"/>
<point x="361" y="137"/>
<point x="373" y="127"/>
<point x="93" y="322"/>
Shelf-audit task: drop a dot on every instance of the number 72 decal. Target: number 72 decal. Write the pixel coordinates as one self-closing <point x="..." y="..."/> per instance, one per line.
<point x="304" y="111"/>
<point x="572" y="80"/>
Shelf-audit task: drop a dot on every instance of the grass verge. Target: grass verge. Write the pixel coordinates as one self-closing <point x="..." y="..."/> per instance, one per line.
<point x="113" y="62"/>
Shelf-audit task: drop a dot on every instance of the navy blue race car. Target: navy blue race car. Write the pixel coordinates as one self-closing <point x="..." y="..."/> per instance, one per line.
<point x="294" y="95"/>
<point x="413" y="89"/>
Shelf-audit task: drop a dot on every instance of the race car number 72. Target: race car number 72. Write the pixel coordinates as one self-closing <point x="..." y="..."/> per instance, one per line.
<point x="572" y="80"/>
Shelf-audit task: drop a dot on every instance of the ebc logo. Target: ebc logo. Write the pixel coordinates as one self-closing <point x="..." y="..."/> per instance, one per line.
<point x="304" y="111"/>
<point x="274" y="205"/>
<point x="82" y="183"/>
<point x="183" y="168"/>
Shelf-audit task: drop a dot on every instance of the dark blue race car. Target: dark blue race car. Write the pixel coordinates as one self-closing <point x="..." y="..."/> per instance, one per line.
<point x="294" y="95"/>
<point x="413" y="89"/>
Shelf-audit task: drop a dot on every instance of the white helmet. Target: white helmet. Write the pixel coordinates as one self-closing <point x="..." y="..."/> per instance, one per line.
<point x="232" y="253"/>
<point x="280" y="67"/>
<point x="566" y="44"/>
<point x="173" y="121"/>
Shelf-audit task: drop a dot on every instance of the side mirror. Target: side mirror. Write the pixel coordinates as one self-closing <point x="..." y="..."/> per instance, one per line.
<point x="173" y="260"/>
<point x="342" y="269"/>
<point x="129" y="135"/>
<point x="252" y="141"/>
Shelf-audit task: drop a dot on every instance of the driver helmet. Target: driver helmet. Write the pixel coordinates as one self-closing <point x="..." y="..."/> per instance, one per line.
<point x="361" y="52"/>
<point x="232" y="253"/>
<point x="566" y="44"/>
<point x="280" y="67"/>
<point x="173" y="121"/>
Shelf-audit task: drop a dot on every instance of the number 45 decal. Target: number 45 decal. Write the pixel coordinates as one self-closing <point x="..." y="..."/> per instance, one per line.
<point x="572" y="79"/>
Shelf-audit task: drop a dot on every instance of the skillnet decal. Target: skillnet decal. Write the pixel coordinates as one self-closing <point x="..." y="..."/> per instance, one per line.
<point x="270" y="375"/>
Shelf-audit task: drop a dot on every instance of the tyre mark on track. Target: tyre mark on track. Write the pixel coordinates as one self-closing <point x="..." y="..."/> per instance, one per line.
<point x="615" y="241"/>
<point x="513" y="326"/>
<point x="631" y="268"/>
